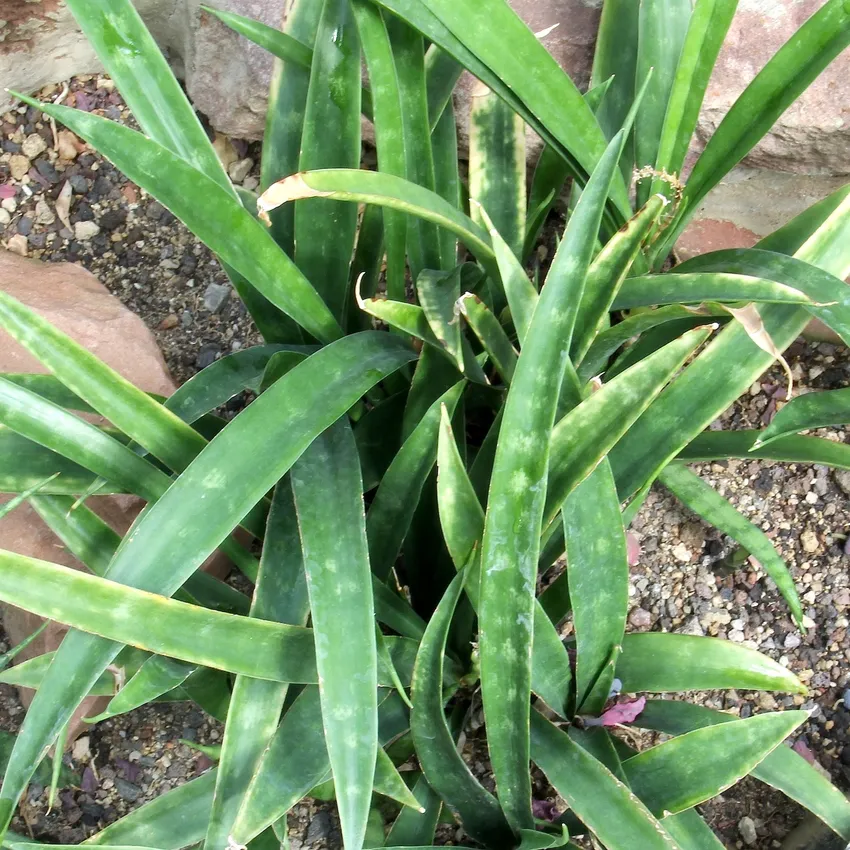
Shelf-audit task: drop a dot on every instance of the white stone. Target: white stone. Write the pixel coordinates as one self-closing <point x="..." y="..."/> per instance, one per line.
<point x="33" y="146"/>
<point x="85" y="230"/>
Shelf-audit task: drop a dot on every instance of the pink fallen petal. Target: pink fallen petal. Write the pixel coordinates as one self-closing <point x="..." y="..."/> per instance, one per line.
<point x="802" y="749"/>
<point x="622" y="712"/>
<point x="7" y="190"/>
<point x="632" y="548"/>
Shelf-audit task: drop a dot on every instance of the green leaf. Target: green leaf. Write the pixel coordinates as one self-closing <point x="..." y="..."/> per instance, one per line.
<point x="385" y="190"/>
<point x="171" y="821"/>
<point x="447" y="181"/>
<point x="663" y="663"/>
<point x="280" y="595"/>
<point x="462" y="521"/>
<point x="497" y="165"/>
<point x="593" y="427"/>
<point x="813" y="410"/>
<point x="715" y="379"/>
<point x="662" y="27"/>
<point x="607" y="273"/>
<point x="517" y="496"/>
<point x="438" y="295"/>
<point x="598" y="798"/>
<point x="388" y="782"/>
<point x="694" y="288"/>
<point x="444" y="768"/>
<point x="389" y="131"/>
<point x="707" y="28"/>
<point x="475" y="34"/>
<point x="490" y="334"/>
<point x="720" y="445"/>
<point x="608" y="341"/>
<point x="442" y="72"/>
<point x="225" y="378"/>
<point x="336" y="560"/>
<point x="215" y="216"/>
<point x="147" y="84"/>
<point x="703" y="500"/>
<point x="782" y="768"/>
<point x="325" y="233"/>
<point x="691" y="832"/>
<point x="285" y="116"/>
<point x="274" y="431"/>
<point x="276" y="42"/>
<point x="598" y="576"/>
<point x="411" y="827"/>
<point x="395" y="501"/>
<point x="409" y="54"/>
<point x="156" y="676"/>
<point x="690" y="769"/>
<point x="128" y="408"/>
<point x="786" y="76"/>
<point x="828" y="291"/>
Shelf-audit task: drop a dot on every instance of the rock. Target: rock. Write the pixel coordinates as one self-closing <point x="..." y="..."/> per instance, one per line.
<point x="319" y="829"/>
<point x="85" y="230"/>
<point x="74" y="301"/>
<point x="207" y="355"/>
<point x="17" y="244"/>
<point x="842" y="479"/>
<point x="43" y="213"/>
<point x="9" y="204"/>
<point x="112" y="219"/>
<point x="239" y="170"/>
<point x="79" y="184"/>
<point x="67" y="145"/>
<point x="5" y="217"/>
<point x="747" y="829"/>
<point x="640" y="618"/>
<point x="24" y="225"/>
<point x="33" y="146"/>
<point x="809" y="541"/>
<point x="19" y="165"/>
<point x="792" y="640"/>
<point x="215" y="297"/>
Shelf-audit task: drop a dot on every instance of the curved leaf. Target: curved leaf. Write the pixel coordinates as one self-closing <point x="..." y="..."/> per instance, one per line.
<point x="215" y="216"/>
<point x="663" y="663"/>
<point x="336" y="561"/>
<point x="604" y="804"/>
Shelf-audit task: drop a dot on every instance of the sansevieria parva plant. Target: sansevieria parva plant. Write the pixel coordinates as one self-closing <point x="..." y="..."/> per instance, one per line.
<point x="436" y="425"/>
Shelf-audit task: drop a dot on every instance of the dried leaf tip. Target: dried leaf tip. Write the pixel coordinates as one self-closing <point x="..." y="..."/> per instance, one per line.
<point x="361" y="303"/>
<point x="544" y="32"/>
<point x="292" y="188"/>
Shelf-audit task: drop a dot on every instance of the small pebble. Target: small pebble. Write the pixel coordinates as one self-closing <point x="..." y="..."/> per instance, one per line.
<point x="33" y="146"/>
<point x="85" y="230"/>
<point x="747" y="829"/>
<point x="215" y="297"/>
<point x="24" y="225"/>
<point x="9" y="204"/>
<point x="640" y="618"/>
<point x="19" y="165"/>
<point x="5" y="217"/>
<point x="792" y="640"/>
<point x="43" y="213"/>
<point x="809" y="541"/>
<point x="239" y="170"/>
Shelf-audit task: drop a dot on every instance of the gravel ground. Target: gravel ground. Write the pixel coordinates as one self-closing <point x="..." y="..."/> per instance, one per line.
<point x="681" y="583"/>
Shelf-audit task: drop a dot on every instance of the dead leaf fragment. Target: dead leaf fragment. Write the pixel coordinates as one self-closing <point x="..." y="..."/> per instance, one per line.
<point x="63" y="204"/>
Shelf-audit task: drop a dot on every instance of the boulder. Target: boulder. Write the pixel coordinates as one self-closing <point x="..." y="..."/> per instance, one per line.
<point x="227" y="77"/>
<point x="74" y="301"/>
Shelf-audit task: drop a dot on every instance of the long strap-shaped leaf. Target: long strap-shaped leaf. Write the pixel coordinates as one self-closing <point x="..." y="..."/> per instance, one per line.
<point x="128" y="408"/>
<point x="443" y="766"/>
<point x="790" y="71"/>
<point x="462" y="521"/>
<point x="215" y="216"/>
<point x="707" y="28"/>
<point x="475" y="35"/>
<point x="328" y="491"/>
<point x="285" y="116"/>
<point x="662" y="26"/>
<point x="389" y="130"/>
<point x="604" y="804"/>
<point x="517" y="497"/>
<point x="666" y="663"/>
<point x="392" y="509"/>
<point x="692" y="768"/>
<point x="147" y="83"/>
<point x="385" y="190"/>
<point x="783" y="768"/>
<point x="701" y="498"/>
<point x="273" y="431"/>
<point x="813" y="410"/>
<point x="828" y="292"/>
<point x="447" y="181"/>
<point x="325" y="233"/>
<point x="725" y="369"/>
<point x="280" y="595"/>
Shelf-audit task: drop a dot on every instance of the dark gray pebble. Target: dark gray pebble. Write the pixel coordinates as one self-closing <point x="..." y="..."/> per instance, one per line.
<point x="127" y="790"/>
<point x="207" y="355"/>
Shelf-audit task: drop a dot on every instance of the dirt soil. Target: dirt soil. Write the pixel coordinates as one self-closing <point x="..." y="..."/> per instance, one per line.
<point x="681" y="583"/>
